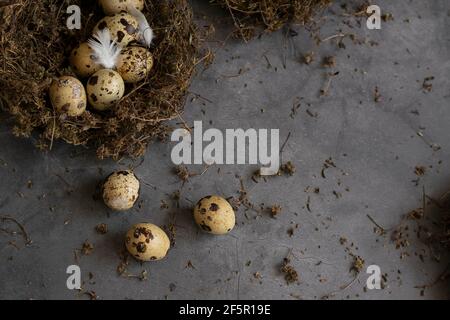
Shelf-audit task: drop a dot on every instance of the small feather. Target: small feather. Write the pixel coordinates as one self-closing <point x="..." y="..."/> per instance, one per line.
<point x="145" y="31"/>
<point x="106" y="51"/>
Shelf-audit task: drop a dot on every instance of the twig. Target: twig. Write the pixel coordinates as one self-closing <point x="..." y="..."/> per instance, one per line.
<point x="383" y="230"/>
<point x="339" y="35"/>
<point x="27" y="239"/>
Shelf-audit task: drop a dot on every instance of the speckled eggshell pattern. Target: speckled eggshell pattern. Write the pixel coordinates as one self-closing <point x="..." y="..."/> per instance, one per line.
<point x="68" y="96"/>
<point x="215" y="215"/>
<point x="134" y="64"/>
<point x="121" y="190"/>
<point x="105" y="88"/>
<point x="122" y="26"/>
<point x="115" y="6"/>
<point x="147" y="242"/>
<point x="82" y="60"/>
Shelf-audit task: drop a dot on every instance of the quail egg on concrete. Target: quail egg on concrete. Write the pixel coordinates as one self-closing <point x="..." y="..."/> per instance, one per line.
<point x="147" y="242"/>
<point x="121" y="190"/>
<point x="68" y="96"/>
<point x="104" y="89"/>
<point x="215" y="215"/>
<point x="134" y="63"/>
<point x="116" y="6"/>
<point x="82" y="60"/>
<point x="122" y="26"/>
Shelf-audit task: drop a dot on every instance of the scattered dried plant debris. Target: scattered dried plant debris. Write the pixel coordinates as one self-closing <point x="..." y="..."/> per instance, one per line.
<point x="326" y="88"/>
<point x="430" y="224"/>
<point x="290" y="274"/>
<point x="243" y="199"/>
<point x="124" y="262"/>
<point x="23" y="232"/>
<point x="376" y="95"/>
<point x="308" y="58"/>
<point x="292" y="230"/>
<point x="31" y="61"/>
<point x="251" y="15"/>
<point x="274" y="210"/>
<point x="387" y="17"/>
<point x="122" y="268"/>
<point x="427" y="86"/>
<point x="171" y="231"/>
<point x="329" y="62"/>
<point x="378" y="229"/>
<point x="287" y="168"/>
<point x="87" y="248"/>
<point x="164" y="205"/>
<point x="328" y="163"/>
<point x="182" y="173"/>
<point x="101" y="228"/>
<point x="91" y="294"/>
<point x="358" y="264"/>
<point x="420" y="170"/>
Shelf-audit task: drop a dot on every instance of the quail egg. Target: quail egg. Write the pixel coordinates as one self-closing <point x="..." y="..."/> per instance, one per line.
<point x="68" y="96"/>
<point x="104" y="89"/>
<point x="116" y="6"/>
<point x="215" y="215"/>
<point x="134" y="64"/>
<point x="122" y="26"/>
<point x="147" y="242"/>
<point x="121" y="190"/>
<point x="82" y="60"/>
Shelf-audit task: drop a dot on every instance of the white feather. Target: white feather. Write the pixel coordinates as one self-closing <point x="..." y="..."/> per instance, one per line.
<point x="106" y="51"/>
<point x="145" y="31"/>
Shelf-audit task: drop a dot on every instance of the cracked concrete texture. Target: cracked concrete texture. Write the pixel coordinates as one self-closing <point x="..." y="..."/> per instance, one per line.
<point x="375" y="147"/>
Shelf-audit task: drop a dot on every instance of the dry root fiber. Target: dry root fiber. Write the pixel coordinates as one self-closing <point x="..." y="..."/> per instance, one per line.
<point x="35" y="44"/>
<point x="249" y="15"/>
<point x="432" y="225"/>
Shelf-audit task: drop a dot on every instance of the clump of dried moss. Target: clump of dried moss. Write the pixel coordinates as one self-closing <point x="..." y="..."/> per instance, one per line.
<point x="431" y="224"/>
<point x="249" y="15"/>
<point x="34" y="48"/>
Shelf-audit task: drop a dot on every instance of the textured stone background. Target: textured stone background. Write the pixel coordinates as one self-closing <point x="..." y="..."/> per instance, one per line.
<point x="375" y="147"/>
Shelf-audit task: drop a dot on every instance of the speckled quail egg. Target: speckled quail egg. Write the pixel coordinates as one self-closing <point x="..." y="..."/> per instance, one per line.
<point x="116" y="6"/>
<point x="68" y="96"/>
<point x="122" y="26"/>
<point x="82" y="60"/>
<point x="134" y="64"/>
<point x="215" y="215"/>
<point x="121" y="190"/>
<point x="147" y="242"/>
<point x="104" y="89"/>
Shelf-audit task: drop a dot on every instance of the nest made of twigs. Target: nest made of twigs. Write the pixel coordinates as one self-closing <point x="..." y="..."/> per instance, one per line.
<point x="35" y="44"/>
<point x="249" y="15"/>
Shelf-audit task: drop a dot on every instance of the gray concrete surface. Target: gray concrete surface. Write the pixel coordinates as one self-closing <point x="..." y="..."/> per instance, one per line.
<point x="375" y="147"/>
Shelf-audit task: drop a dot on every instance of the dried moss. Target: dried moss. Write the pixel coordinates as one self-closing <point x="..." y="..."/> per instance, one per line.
<point x="34" y="49"/>
<point x="249" y="15"/>
<point x="432" y="225"/>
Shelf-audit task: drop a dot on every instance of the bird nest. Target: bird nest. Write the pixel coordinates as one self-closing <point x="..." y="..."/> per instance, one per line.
<point x="35" y="44"/>
<point x="249" y="15"/>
